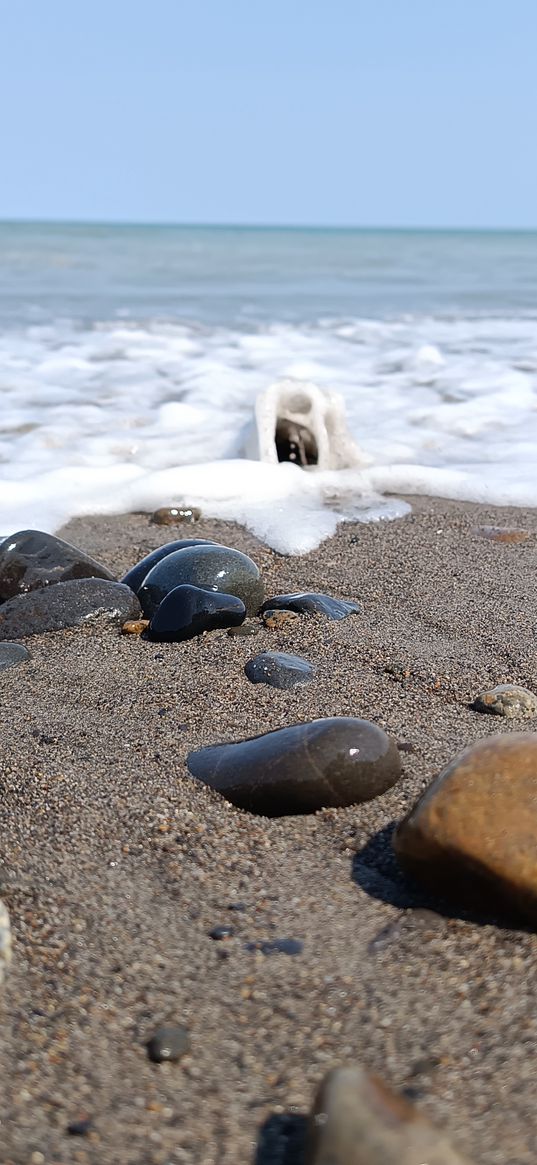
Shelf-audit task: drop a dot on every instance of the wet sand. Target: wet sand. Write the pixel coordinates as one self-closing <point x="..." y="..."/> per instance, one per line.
<point x="116" y="865"/>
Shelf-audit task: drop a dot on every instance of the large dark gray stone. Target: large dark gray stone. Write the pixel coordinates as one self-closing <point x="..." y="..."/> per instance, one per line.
<point x="135" y="576"/>
<point x="67" y="604"/>
<point x="333" y="762"/>
<point x="30" y="559"/>
<point x="189" y="611"/>
<point x="210" y="567"/>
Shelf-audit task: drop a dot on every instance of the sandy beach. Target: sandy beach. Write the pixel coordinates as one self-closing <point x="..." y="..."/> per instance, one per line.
<point x="116" y="864"/>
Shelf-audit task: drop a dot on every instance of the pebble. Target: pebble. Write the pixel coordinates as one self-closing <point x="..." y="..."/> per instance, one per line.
<point x="357" y="1120"/>
<point x="323" y="763"/>
<point x="279" y="670"/>
<point x="471" y="835"/>
<point x="176" y="515"/>
<point x="67" y="604"/>
<point x="135" y="576"/>
<point x="507" y="700"/>
<point x="210" y="567"/>
<point x="275" y="946"/>
<point x="187" y="611"/>
<point x="135" y="626"/>
<point x="169" y="1042"/>
<point x="276" y="619"/>
<point x="218" y="933"/>
<point x="5" y="941"/>
<point x="244" y="631"/>
<point x="11" y="654"/>
<point x="79" y="1128"/>
<point x="31" y="559"/>
<point x="312" y="603"/>
<point x="503" y="533"/>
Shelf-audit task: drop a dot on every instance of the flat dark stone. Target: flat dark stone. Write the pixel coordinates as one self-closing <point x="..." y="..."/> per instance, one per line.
<point x="324" y="763"/>
<point x="210" y="567"/>
<point x="188" y="611"/>
<point x="67" y="604"/>
<point x="279" y="669"/>
<point x="11" y="654"/>
<point x="219" y="933"/>
<point x="135" y="576"/>
<point x="30" y="559"/>
<point x="312" y="603"/>
<point x="275" y="946"/>
<point x="169" y="1042"/>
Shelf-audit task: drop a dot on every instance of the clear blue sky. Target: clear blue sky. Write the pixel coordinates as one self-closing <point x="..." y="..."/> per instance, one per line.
<point x="388" y="112"/>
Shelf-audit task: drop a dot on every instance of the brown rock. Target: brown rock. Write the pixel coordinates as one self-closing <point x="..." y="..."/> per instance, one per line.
<point x="503" y="533"/>
<point x="176" y="515"/>
<point x="277" y="620"/>
<point x="134" y="626"/>
<point x="507" y="700"/>
<point x="358" y="1120"/>
<point x="472" y="833"/>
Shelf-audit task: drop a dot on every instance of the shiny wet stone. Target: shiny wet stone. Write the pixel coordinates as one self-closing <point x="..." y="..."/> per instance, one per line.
<point x="279" y="670"/>
<point x="244" y="631"/>
<point x="169" y="1042"/>
<point x="176" y="516"/>
<point x="312" y="603"/>
<point x="333" y="762"/>
<point x="210" y="567"/>
<point x="30" y="559"/>
<point x="11" y="654"/>
<point x="135" y="576"/>
<point x="471" y="834"/>
<point x="67" y="604"/>
<point x="189" y="611"/>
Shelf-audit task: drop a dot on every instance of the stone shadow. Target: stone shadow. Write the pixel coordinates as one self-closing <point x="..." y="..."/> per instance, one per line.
<point x="282" y="1140"/>
<point x="376" y="870"/>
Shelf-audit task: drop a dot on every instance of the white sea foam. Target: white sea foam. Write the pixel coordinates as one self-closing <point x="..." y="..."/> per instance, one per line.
<point x="118" y="416"/>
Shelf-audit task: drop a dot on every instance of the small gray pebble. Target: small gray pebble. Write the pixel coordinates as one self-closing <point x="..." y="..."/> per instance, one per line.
<point x="169" y="1042"/>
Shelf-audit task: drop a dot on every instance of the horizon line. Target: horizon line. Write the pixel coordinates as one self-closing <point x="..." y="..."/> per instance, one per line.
<point x="266" y="226"/>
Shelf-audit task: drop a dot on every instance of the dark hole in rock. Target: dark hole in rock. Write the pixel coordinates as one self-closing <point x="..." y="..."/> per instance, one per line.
<point x="295" y="443"/>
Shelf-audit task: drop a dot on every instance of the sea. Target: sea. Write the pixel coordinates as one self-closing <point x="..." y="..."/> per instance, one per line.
<point x="131" y="358"/>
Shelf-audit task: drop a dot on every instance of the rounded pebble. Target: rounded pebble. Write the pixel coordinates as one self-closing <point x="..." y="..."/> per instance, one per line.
<point x="11" y="654"/>
<point x="312" y="603"/>
<point x="135" y="576"/>
<point x="507" y="700"/>
<point x="209" y="567"/>
<point x="176" y="515"/>
<point x="324" y="763"/>
<point x="169" y="1042"/>
<point x="188" y="611"/>
<point x="279" y="670"/>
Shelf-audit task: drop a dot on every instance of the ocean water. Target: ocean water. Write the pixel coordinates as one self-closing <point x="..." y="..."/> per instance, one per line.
<point x="131" y="358"/>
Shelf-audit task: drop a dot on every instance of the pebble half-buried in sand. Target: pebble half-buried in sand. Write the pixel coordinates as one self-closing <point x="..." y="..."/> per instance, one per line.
<point x="324" y="763"/>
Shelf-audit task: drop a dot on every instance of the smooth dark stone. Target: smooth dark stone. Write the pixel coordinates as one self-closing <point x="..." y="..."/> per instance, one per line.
<point x="11" y="654"/>
<point x="176" y="515"/>
<point x="325" y="763"/>
<point x="211" y="567"/>
<point x="218" y="933"/>
<point x="188" y="611"/>
<point x="30" y="559"/>
<point x="169" y="1042"/>
<point x="279" y="669"/>
<point x="135" y="576"/>
<point x="244" y="631"/>
<point x="312" y="603"/>
<point x="79" y="1128"/>
<point x="274" y="946"/>
<point x="67" y="604"/>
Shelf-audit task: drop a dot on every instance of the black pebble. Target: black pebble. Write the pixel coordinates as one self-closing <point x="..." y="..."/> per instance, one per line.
<point x="135" y="577"/>
<point x="79" y="1128"/>
<point x="312" y="603"/>
<point x="221" y="932"/>
<point x="31" y="559"/>
<point x="168" y="1042"/>
<point x="188" y="611"/>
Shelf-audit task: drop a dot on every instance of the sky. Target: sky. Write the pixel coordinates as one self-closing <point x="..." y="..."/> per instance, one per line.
<point x="385" y="113"/>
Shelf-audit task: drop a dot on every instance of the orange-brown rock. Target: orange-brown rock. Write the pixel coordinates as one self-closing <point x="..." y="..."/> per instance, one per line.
<point x="358" y="1120"/>
<point x="472" y="834"/>
<point x="134" y="626"/>
<point x="175" y="515"/>
<point x="503" y="533"/>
